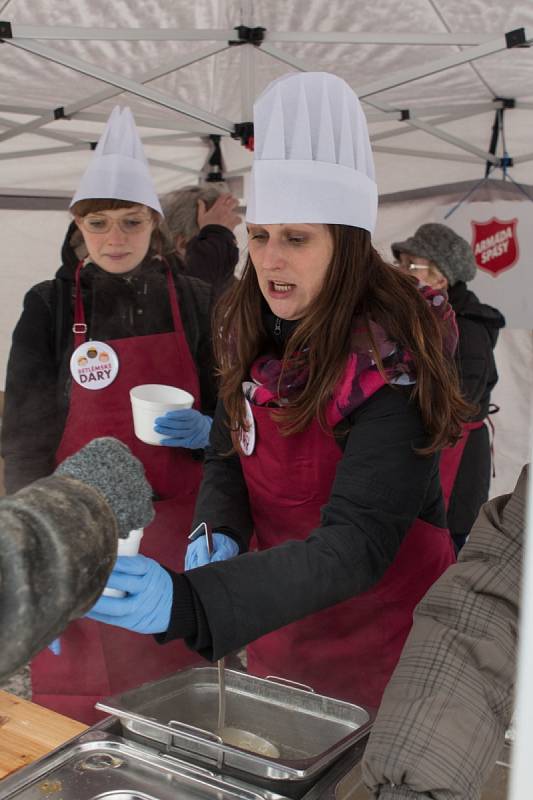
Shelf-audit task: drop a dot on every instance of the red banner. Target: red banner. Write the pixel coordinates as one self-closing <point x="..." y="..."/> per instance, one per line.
<point x="495" y="244"/>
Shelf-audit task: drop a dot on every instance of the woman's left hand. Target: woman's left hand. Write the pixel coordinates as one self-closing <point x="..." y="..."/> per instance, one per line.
<point x="185" y="427"/>
<point x="148" y="601"/>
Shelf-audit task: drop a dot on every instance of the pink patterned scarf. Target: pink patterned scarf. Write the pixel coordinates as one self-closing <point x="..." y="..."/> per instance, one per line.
<point x="361" y="377"/>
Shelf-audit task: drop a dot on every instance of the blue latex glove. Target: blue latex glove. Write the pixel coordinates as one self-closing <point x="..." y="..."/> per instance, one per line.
<point x="148" y="601"/>
<point x="55" y="647"/>
<point x="223" y="547"/>
<point x="185" y="427"/>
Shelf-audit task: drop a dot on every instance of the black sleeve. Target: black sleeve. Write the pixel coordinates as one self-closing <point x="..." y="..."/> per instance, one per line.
<point x="378" y="491"/>
<point x="475" y="360"/>
<point x="223" y="497"/>
<point x="212" y="256"/>
<point x="32" y="424"/>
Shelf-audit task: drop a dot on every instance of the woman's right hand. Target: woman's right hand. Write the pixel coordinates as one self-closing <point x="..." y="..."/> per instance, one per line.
<point x="147" y="604"/>
<point x="222" y="212"/>
<point x="197" y="555"/>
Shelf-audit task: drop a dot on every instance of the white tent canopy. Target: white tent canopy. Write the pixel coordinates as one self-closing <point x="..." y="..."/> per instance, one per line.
<point x="431" y="77"/>
<point x="447" y="87"/>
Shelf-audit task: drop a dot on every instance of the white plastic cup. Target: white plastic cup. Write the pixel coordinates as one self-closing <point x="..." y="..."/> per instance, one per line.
<point x="152" y="400"/>
<point x="126" y="547"/>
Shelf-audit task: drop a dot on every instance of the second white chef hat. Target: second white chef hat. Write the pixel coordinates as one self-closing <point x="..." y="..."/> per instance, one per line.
<point x="312" y="157"/>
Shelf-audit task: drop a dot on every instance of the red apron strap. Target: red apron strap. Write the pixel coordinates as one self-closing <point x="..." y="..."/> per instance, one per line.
<point x="79" y="328"/>
<point x="176" y="316"/>
<point x="450" y="460"/>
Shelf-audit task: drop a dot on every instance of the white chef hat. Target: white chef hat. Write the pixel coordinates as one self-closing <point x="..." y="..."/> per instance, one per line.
<point x="118" y="168"/>
<point x="312" y="156"/>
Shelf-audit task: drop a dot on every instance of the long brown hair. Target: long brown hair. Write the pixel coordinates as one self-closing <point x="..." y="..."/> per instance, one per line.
<point x="358" y="283"/>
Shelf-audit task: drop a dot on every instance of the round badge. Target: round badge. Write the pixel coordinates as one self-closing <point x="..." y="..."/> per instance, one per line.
<point x="247" y="436"/>
<point x="94" y="365"/>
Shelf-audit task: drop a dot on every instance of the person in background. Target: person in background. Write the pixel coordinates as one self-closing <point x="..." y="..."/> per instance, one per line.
<point x="116" y="319"/>
<point x="444" y="260"/>
<point x="442" y="721"/>
<point x="326" y="437"/>
<point x="58" y="543"/>
<point x="198" y="227"/>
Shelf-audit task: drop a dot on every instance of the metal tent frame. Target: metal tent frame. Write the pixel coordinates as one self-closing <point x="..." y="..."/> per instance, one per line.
<point x="197" y="124"/>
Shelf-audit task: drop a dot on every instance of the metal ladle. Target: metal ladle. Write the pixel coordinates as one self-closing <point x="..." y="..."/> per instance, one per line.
<point x="230" y="735"/>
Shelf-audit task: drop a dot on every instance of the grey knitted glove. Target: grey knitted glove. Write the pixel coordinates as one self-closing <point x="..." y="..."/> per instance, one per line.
<point x="109" y="467"/>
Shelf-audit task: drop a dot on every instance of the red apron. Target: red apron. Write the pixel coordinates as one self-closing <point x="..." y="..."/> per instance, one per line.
<point x="96" y="659"/>
<point x="450" y="460"/>
<point x="347" y="651"/>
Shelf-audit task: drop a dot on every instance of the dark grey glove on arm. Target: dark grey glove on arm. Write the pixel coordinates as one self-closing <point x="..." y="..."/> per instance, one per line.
<point x="58" y="543"/>
<point x="109" y="466"/>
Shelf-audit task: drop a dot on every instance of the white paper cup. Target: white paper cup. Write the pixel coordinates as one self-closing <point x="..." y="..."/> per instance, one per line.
<point x="153" y="400"/>
<point x="126" y="547"/>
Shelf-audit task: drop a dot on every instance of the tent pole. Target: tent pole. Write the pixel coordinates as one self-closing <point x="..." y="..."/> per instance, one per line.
<point x="400" y="151"/>
<point x="410" y="120"/>
<point x="105" y="94"/>
<point x="79" y="33"/>
<point x="473" y="111"/>
<point x="45" y="151"/>
<point x="402" y="77"/>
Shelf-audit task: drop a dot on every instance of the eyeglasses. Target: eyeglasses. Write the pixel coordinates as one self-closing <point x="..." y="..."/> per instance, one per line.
<point x="100" y="224"/>
<point x="413" y="267"/>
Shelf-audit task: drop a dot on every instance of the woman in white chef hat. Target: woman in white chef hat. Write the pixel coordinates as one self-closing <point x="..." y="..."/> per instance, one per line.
<point x="337" y="392"/>
<point x="114" y="320"/>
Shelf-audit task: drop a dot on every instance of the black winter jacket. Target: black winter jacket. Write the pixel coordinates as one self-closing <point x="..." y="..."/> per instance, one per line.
<point x="381" y="486"/>
<point x="479" y="326"/>
<point x="116" y="306"/>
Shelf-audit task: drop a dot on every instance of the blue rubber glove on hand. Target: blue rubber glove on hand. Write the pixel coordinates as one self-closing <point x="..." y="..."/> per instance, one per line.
<point x="185" y="427"/>
<point x="55" y="647"/>
<point x="148" y="601"/>
<point x="223" y="547"/>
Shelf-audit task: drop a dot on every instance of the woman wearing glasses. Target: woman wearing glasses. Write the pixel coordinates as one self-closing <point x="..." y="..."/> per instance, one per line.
<point x="114" y="318"/>
<point x="442" y="259"/>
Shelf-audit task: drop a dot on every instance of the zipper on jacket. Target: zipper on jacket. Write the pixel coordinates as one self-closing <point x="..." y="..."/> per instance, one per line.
<point x="277" y="328"/>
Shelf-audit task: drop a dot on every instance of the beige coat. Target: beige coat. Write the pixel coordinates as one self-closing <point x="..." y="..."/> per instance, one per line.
<point x="442" y="719"/>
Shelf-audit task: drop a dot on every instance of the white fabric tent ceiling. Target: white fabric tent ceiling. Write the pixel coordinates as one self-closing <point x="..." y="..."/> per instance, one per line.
<point x="391" y="42"/>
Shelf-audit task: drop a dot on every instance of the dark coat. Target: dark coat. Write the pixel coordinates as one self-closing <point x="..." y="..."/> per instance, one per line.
<point x="211" y="256"/>
<point x="479" y="326"/>
<point x="116" y="306"/>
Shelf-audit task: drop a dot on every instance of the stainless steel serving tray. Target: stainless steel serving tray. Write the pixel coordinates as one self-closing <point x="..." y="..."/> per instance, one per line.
<point x="180" y="713"/>
<point x="100" y="764"/>
<point x="103" y="766"/>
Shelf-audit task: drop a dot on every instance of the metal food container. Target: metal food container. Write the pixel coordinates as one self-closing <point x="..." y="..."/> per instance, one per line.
<point x="102" y="766"/>
<point x="310" y="730"/>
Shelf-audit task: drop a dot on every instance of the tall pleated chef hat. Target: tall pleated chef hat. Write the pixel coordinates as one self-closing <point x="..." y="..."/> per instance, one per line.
<point x="118" y="168"/>
<point x="312" y="159"/>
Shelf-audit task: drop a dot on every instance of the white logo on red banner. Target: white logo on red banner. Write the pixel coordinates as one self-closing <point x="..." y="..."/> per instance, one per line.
<point x="495" y="244"/>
